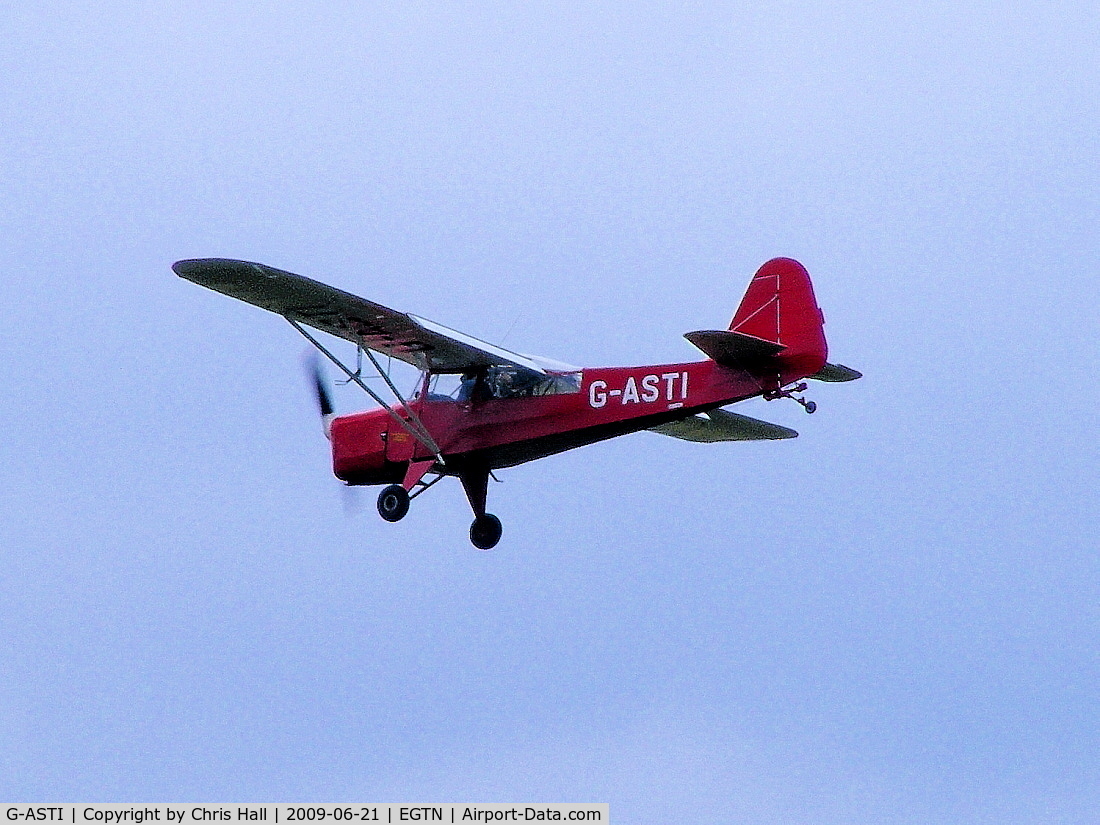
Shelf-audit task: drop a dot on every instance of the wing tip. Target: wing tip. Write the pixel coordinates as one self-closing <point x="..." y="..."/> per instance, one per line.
<point x="836" y="374"/>
<point x="193" y="268"/>
<point x="182" y="267"/>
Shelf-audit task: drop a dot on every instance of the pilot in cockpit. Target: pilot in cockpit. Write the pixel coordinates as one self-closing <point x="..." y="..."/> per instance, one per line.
<point x="466" y="389"/>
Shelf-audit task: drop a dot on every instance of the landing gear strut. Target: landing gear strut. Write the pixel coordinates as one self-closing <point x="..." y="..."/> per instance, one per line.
<point x="393" y="503"/>
<point x="485" y="531"/>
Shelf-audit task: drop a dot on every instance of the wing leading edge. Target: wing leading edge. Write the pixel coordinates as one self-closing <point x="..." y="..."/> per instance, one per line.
<point x="417" y="341"/>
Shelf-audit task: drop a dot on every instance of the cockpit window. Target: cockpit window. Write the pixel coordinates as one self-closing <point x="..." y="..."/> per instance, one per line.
<point x="511" y="382"/>
<point x="501" y="382"/>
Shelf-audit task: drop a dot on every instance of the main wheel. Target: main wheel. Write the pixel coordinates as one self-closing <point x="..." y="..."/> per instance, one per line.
<point x="485" y="532"/>
<point x="811" y="407"/>
<point x="393" y="503"/>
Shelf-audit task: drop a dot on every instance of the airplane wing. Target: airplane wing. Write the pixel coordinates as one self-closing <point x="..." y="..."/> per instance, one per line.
<point x="719" y="425"/>
<point x="417" y="341"/>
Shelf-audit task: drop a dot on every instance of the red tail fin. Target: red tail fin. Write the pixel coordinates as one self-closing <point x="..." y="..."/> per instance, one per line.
<point x="780" y="306"/>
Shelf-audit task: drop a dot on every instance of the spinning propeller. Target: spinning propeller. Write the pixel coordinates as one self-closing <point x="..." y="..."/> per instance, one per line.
<point x="323" y="395"/>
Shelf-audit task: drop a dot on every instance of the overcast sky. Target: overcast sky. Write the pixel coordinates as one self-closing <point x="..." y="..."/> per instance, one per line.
<point x="893" y="618"/>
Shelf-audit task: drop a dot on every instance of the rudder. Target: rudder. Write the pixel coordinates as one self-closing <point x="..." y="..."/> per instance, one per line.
<point x="779" y="306"/>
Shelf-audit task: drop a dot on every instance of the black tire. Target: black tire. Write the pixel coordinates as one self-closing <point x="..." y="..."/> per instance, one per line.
<point x="485" y="532"/>
<point x="811" y="407"/>
<point x="393" y="503"/>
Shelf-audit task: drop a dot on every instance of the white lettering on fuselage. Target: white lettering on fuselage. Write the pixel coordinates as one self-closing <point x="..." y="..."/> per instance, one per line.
<point x="645" y="390"/>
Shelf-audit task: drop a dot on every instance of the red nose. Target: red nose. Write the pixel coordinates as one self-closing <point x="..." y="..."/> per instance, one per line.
<point x="359" y="448"/>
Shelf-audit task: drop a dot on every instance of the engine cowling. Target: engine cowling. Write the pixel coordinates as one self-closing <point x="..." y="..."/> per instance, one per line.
<point x="359" y="449"/>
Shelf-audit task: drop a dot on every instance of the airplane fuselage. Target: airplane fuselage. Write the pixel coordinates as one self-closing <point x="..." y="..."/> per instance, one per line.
<point x="371" y="448"/>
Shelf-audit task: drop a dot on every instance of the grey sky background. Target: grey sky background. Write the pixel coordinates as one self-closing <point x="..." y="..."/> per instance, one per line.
<point x="893" y="618"/>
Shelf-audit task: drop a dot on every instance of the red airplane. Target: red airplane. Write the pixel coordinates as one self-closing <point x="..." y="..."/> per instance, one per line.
<point x="480" y="407"/>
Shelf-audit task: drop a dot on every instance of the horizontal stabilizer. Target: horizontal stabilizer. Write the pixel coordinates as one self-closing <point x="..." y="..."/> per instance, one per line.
<point x="836" y="373"/>
<point x="719" y="425"/>
<point x="733" y="349"/>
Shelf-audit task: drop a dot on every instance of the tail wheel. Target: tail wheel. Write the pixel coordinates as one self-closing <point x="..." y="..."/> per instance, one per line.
<point x="393" y="503"/>
<point x="485" y="532"/>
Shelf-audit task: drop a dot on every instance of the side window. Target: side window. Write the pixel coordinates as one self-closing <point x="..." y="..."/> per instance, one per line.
<point x="444" y="386"/>
<point x="565" y="383"/>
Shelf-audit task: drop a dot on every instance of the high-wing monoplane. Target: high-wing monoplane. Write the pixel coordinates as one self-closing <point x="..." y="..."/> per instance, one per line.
<point x="480" y="408"/>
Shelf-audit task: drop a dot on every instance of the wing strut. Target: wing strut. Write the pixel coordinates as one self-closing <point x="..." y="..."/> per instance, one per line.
<point x="415" y="427"/>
